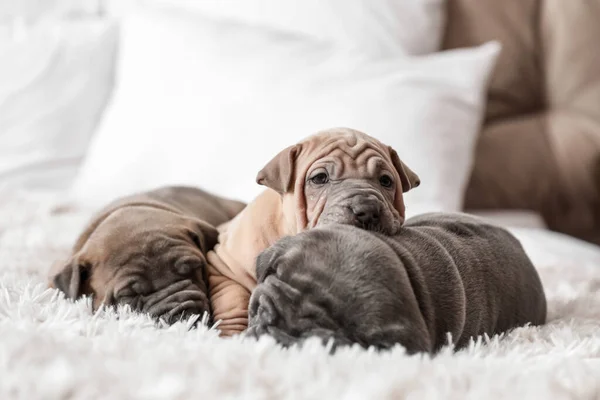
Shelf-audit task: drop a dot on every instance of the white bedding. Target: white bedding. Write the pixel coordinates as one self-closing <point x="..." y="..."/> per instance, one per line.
<point x="51" y="348"/>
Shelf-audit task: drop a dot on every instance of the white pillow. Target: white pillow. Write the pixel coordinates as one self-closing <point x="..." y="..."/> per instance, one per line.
<point x="54" y="84"/>
<point x="209" y="104"/>
<point x="377" y="27"/>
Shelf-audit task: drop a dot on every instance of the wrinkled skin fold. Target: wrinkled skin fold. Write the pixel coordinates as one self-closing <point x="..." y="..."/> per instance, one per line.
<point x="441" y="274"/>
<point x="177" y="301"/>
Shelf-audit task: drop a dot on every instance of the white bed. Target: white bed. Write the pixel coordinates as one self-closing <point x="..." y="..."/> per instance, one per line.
<point x="169" y="120"/>
<point x="51" y="348"/>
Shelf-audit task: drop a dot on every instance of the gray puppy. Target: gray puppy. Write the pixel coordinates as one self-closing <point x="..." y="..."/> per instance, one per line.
<point x="442" y="273"/>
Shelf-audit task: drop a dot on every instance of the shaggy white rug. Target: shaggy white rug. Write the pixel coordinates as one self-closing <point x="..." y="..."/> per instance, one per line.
<point x="51" y="348"/>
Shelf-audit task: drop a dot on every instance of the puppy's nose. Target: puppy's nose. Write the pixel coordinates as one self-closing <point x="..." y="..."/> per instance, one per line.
<point x="366" y="213"/>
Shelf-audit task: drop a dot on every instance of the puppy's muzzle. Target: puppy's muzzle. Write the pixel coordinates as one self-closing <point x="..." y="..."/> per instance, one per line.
<point x="360" y="206"/>
<point x="366" y="210"/>
<point x="178" y="301"/>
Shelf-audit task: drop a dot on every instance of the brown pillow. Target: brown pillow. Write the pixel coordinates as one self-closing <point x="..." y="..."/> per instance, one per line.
<point x="540" y="145"/>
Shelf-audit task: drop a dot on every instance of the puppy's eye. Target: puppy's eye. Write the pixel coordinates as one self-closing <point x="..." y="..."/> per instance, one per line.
<point x="320" y="179"/>
<point x="386" y="181"/>
<point x="187" y="266"/>
<point x="125" y="296"/>
<point x="196" y="239"/>
<point x="141" y="287"/>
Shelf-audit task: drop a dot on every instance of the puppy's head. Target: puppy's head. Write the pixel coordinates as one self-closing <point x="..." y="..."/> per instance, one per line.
<point x="341" y="176"/>
<point x="290" y="302"/>
<point x="149" y="258"/>
<point x="337" y="283"/>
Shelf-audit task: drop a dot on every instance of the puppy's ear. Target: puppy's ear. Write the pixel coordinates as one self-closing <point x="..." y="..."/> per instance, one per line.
<point x="204" y="235"/>
<point x="265" y="262"/>
<point x="278" y="174"/>
<point x="409" y="179"/>
<point x="71" y="278"/>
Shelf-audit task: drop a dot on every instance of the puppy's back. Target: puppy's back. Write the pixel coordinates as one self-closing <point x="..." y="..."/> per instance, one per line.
<point x="198" y="203"/>
<point x="498" y="282"/>
<point x="185" y="200"/>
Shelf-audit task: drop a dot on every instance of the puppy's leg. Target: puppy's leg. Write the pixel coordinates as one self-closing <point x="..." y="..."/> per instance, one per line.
<point x="229" y="302"/>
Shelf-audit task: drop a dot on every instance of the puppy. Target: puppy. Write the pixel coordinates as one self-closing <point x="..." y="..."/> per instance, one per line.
<point x="148" y="250"/>
<point x="335" y="176"/>
<point x="440" y="274"/>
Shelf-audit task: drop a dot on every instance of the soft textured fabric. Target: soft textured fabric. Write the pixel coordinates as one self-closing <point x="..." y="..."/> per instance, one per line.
<point x="512" y="218"/>
<point x="55" y="79"/>
<point x="208" y="104"/>
<point x="540" y="147"/>
<point x="380" y="28"/>
<point x="18" y="14"/>
<point x="51" y="348"/>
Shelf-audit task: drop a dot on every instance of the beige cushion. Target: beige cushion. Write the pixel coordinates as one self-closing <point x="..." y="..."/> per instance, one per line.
<point x="540" y="146"/>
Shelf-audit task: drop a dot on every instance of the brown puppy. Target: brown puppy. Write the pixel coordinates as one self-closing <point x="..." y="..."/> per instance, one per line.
<point x="335" y="176"/>
<point x="148" y="250"/>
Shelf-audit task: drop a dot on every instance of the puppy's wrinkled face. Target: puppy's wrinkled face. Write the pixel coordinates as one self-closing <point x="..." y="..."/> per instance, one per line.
<point x="337" y="283"/>
<point x="153" y="260"/>
<point x="341" y="176"/>
<point x="358" y="191"/>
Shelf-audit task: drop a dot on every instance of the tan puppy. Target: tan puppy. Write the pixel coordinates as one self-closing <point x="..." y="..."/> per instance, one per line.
<point x="335" y="176"/>
<point x="148" y="250"/>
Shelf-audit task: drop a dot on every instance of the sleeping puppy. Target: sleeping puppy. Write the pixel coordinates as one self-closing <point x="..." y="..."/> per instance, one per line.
<point x="441" y="273"/>
<point x="148" y="250"/>
<point x="335" y="176"/>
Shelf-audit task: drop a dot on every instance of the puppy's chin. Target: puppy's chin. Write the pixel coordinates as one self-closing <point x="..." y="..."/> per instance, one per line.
<point x="285" y="339"/>
<point x="387" y="226"/>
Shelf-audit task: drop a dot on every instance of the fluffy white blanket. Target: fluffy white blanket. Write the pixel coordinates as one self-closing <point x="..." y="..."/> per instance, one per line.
<point x="51" y="348"/>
